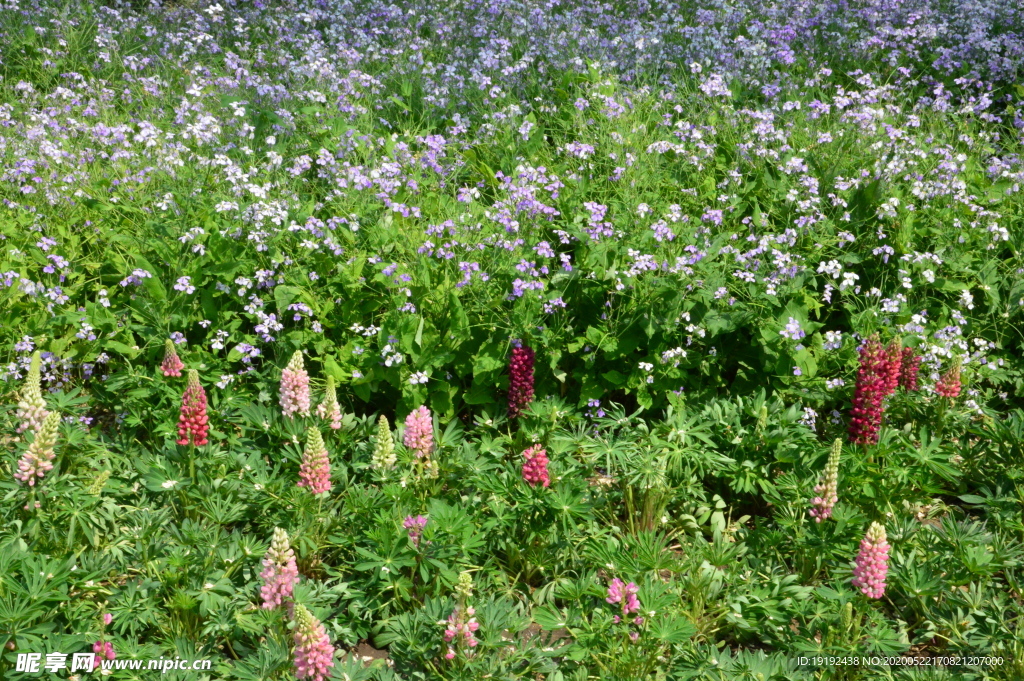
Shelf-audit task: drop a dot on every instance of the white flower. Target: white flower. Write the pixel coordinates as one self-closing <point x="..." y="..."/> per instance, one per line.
<point x="849" y="278"/>
<point x="168" y="484"/>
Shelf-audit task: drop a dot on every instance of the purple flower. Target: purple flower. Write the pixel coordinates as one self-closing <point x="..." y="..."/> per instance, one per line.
<point x="185" y="284"/>
<point x="793" y="330"/>
<point x="415" y="525"/>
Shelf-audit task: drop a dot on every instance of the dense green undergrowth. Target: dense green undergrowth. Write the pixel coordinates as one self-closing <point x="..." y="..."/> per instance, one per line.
<point x="695" y="234"/>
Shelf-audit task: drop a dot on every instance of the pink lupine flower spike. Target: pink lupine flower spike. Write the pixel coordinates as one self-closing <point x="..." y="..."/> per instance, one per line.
<point x="872" y="562"/>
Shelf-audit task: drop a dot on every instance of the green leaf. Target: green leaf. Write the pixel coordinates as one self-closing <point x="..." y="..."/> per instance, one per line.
<point x="549" y="618"/>
<point x="419" y="334"/>
<point x="458" y="322"/>
<point x="284" y="296"/>
<point x="489" y="358"/>
<point x="614" y="377"/>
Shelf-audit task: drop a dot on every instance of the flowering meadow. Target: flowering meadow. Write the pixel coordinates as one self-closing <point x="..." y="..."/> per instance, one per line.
<point x="513" y="339"/>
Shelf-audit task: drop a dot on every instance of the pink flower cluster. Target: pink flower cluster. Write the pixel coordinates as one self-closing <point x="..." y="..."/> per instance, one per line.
<point x="520" y="390"/>
<point x="315" y="470"/>
<point x="104" y="651"/>
<point x="193" y="423"/>
<point x="620" y="592"/>
<point x="415" y="525"/>
<point x="910" y="364"/>
<point x="172" y="364"/>
<point x="37" y="460"/>
<point x="872" y="562"/>
<point x="419" y="432"/>
<point x="872" y="384"/>
<point x="295" y="388"/>
<point x="949" y="384"/>
<point x="280" y="574"/>
<point x="461" y="624"/>
<point x="314" y="654"/>
<point x="535" y="467"/>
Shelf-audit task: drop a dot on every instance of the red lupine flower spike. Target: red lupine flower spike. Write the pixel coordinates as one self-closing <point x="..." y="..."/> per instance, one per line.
<point x="193" y="422"/>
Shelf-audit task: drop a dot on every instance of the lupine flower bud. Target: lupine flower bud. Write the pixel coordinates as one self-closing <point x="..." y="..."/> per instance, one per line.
<point x="520" y="390"/>
<point x="96" y="487"/>
<point x="910" y="364"/>
<point x="31" y="407"/>
<point x="415" y="525"/>
<point x="620" y="592"/>
<point x="866" y="414"/>
<point x="172" y="364"/>
<point x="314" y="654"/>
<point x="384" y="449"/>
<point x="107" y="618"/>
<point x="315" y="471"/>
<point x="295" y="388"/>
<point x="461" y="624"/>
<point x="464" y="587"/>
<point x="949" y="385"/>
<point x="280" y="574"/>
<point x="892" y="365"/>
<point x="419" y="432"/>
<point x="872" y="562"/>
<point x="193" y="423"/>
<point x="329" y="408"/>
<point x="827" y="487"/>
<point x="37" y="460"/>
<point x="535" y="467"/>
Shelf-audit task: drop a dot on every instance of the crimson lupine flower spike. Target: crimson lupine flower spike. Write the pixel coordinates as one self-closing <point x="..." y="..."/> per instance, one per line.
<point x="419" y="432"/>
<point x="37" y="460"/>
<point x="315" y="471"/>
<point x="314" y="654"/>
<point x="280" y="574"/>
<point x="893" y="365"/>
<point x="520" y="390"/>
<point x="329" y="408"/>
<point x="827" y="488"/>
<point x="872" y="563"/>
<point x="949" y="385"/>
<point x="870" y="392"/>
<point x="535" y="467"/>
<point x="193" y="423"/>
<point x="172" y="364"/>
<point x="910" y="364"/>
<point x="295" y="388"/>
<point x="31" y="407"/>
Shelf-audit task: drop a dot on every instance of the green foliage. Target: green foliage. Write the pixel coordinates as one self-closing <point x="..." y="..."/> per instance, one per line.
<point x="686" y="387"/>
